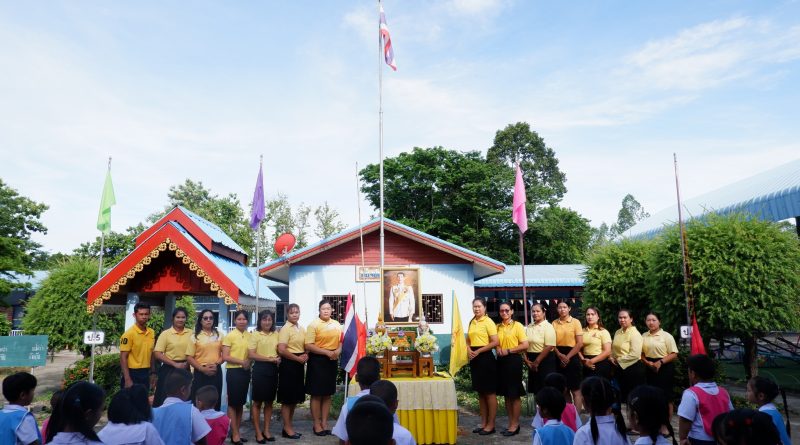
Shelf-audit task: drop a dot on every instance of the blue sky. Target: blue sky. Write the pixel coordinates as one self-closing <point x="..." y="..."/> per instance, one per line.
<point x="175" y="90"/>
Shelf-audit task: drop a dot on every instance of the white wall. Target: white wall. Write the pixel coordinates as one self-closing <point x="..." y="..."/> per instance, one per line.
<point x="307" y="285"/>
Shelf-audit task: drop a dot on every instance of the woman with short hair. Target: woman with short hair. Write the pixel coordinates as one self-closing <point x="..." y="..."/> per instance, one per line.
<point x="170" y="350"/>
<point x="237" y="367"/>
<point x="626" y="354"/>
<point x="263" y="350"/>
<point x="291" y="347"/>
<point x="512" y="343"/>
<point x="569" y="341"/>
<point x="323" y="344"/>
<point x="539" y="356"/>
<point x="596" y="346"/>
<point x="481" y="340"/>
<point x="659" y="351"/>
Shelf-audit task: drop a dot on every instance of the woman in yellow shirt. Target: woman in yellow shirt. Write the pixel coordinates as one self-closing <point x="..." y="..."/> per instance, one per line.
<point x="170" y="350"/>
<point x="626" y="354"/>
<point x="658" y="352"/>
<point x="323" y="344"/>
<point x="569" y="342"/>
<point x="263" y="350"/>
<point x="204" y="353"/>
<point x="539" y="357"/>
<point x="481" y="340"/>
<point x="511" y="336"/>
<point x="237" y="376"/>
<point x="596" y="346"/>
<point x="291" y="347"/>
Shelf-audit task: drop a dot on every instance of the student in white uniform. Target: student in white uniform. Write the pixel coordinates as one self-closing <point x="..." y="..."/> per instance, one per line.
<point x="76" y="415"/>
<point x="387" y="391"/>
<point x="129" y="416"/>
<point x="606" y="426"/>
<point x="17" y="424"/>
<point x="648" y="413"/>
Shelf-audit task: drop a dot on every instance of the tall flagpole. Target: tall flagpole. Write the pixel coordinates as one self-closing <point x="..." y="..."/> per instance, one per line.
<point x="522" y="262"/>
<point x="258" y="233"/>
<point x="687" y="279"/>
<point x="380" y="130"/>
<point x="361" y="239"/>
<point x="99" y="275"/>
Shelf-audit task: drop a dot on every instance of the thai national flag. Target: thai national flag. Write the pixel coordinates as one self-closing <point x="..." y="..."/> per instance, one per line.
<point x="388" y="52"/>
<point x="354" y="339"/>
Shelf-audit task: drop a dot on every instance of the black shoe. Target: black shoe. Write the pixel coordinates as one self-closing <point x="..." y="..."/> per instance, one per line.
<point x="269" y="439"/>
<point x="483" y="432"/>
<point x="264" y="440"/>
<point x="288" y="436"/>
<point x="243" y="440"/>
<point x="320" y="433"/>
<point x="477" y="430"/>
<point x="509" y="433"/>
<point x="327" y="432"/>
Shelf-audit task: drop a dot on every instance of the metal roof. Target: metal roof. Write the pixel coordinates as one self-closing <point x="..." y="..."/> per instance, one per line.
<point x="242" y="276"/>
<point x="773" y="195"/>
<point x="35" y="280"/>
<point x="559" y="275"/>
<point x="216" y="234"/>
<point x="483" y="265"/>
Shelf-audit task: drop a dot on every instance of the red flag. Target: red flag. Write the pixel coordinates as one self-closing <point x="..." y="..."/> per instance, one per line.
<point x="697" y="340"/>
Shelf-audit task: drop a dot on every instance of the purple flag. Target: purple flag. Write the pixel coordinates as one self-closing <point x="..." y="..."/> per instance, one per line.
<point x="519" y="215"/>
<point x="257" y="214"/>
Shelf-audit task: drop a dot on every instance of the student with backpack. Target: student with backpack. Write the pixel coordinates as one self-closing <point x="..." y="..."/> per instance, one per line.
<point x="648" y="413"/>
<point x="606" y="425"/>
<point x="762" y="391"/>
<point x="701" y="403"/>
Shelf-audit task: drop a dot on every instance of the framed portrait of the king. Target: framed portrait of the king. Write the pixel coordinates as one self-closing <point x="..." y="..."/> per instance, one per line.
<point x="402" y="300"/>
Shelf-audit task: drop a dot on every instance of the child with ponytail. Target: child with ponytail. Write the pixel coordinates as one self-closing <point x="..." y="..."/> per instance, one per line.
<point x="762" y="391"/>
<point x="606" y="425"/>
<point x="76" y="414"/>
<point x="648" y="414"/>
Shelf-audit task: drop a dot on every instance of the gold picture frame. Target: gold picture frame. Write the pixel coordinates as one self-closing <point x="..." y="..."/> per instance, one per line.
<point x="396" y="285"/>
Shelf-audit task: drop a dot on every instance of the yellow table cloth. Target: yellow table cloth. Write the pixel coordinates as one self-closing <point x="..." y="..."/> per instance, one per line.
<point x="427" y="407"/>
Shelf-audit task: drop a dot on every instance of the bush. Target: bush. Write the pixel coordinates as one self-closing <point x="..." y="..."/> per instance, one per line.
<point x="5" y="326"/>
<point x="107" y="372"/>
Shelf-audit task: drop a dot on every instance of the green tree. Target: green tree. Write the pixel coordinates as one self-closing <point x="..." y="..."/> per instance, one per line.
<point x="617" y="277"/>
<point x="58" y="309"/>
<point x="627" y="217"/>
<point x="557" y="236"/>
<point x="745" y="274"/>
<point x="327" y="221"/>
<point x="19" y="219"/>
<point x="116" y="246"/>
<point x="544" y="181"/>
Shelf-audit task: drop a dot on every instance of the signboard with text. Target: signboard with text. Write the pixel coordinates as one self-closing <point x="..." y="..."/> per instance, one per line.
<point x="23" y="351"/>
<point x="368" y="273"/>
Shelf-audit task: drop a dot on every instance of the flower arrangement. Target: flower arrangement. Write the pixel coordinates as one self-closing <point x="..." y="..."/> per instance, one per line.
<point x="377" y="343"/>
<point x="401" y="342"/>
<point x="426" y="343"/>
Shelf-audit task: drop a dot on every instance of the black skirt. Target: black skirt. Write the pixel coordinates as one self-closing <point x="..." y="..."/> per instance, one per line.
<point x="238" y="381"/>
<point x="200" y="380"/>
<point x="631" y="377"/>
<point x="536" y="378"/>
<point x="321" y="375"/>
<point x="572" y="372"/>
<point x="291" y="390"/>
<point x="602" y="369"/>
<point x="509" y="376"/>
<point x="664" y="378"/>
<point x="164" y="371"/>
<point x="483" y="370"/>
<point x="265" y="382"/>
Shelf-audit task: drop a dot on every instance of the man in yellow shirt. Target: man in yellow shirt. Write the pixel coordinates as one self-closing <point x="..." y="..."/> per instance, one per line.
<point x="136" y="349"/>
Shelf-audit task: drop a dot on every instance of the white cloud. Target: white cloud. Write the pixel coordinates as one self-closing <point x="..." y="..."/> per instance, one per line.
<point x="477" y="8"/>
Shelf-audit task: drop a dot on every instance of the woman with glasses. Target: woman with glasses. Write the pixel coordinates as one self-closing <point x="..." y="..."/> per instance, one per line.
<point x="204" y="353"/>
<point x="323" y="344"/>
<point x="513" y="342"/>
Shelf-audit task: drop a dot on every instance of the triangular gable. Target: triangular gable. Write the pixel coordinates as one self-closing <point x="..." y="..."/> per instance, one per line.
<point x="205" y="232"/>
<point x="483" y="265"/>
<point x="165" y="240"/>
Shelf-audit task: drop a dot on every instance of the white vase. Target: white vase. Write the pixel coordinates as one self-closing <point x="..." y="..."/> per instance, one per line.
<point x="426" y="354"/>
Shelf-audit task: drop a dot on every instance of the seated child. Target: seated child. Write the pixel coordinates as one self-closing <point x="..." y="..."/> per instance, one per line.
<point x="551" y="403"/>
<point x="570" y="415"/>
<point x="368" y="371"/>
<point x="370" y="422"/>
<point x="129" y="416"/>
<point x="387" y="392"/>
<point x="177" y="420"/>
<point x="701" y="403"/>
<point x="17" y="424"/>
<point x="762" y="391"/>
<point x="205" y="400"/>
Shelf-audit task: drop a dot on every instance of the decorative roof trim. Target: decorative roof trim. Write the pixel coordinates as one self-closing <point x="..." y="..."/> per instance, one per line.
<point x="184" y="220"/>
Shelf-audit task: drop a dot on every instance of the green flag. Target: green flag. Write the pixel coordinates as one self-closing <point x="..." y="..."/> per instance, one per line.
<point x="108" y="200"/>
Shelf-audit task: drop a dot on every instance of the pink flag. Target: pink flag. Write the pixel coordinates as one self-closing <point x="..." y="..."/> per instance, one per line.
<point x="519" y="215"/>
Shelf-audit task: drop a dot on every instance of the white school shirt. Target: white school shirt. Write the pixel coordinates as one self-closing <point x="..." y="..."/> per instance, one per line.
<point x="27" y="431"/>
<point x="142" y="433"/>
<point x="200" y="428"/>
<point x="63" y="438"/>
<point x="401" y="435"/>
<point x="645" y="440"/>
<point x="689" y="409"/>
<point x="340" y="429"/>
<point x="211" y="414"/>
<point x="607" y="433"/>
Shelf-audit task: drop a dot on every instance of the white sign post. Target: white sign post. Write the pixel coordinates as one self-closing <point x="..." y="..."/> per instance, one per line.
<point x="94" y="337"/>
<point x="686" y="332"/>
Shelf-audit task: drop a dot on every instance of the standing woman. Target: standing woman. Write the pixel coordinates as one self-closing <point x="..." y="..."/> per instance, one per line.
<point x="170" y="350"/>
<point x="234" y="352"/>
<point x="291" y="347"/>
<point x="323" y="344"/>
<point x="626" y="354"/>
<point x="204" y="353"/>
<point x="481" y="339"/>
<point x="596" y="346"/>
<point x="658" y="352"/>
<point x="263" y="350"/>
<point x="539" y="358"/>
<point x="569" y="342"/>
<point x="513" y="342"/>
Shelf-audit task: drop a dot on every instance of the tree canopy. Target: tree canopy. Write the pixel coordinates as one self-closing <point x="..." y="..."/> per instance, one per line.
<point x="19" y="219"/>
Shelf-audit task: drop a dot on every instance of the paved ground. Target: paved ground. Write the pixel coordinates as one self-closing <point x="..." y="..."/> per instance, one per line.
<point x="50" y="378"/>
